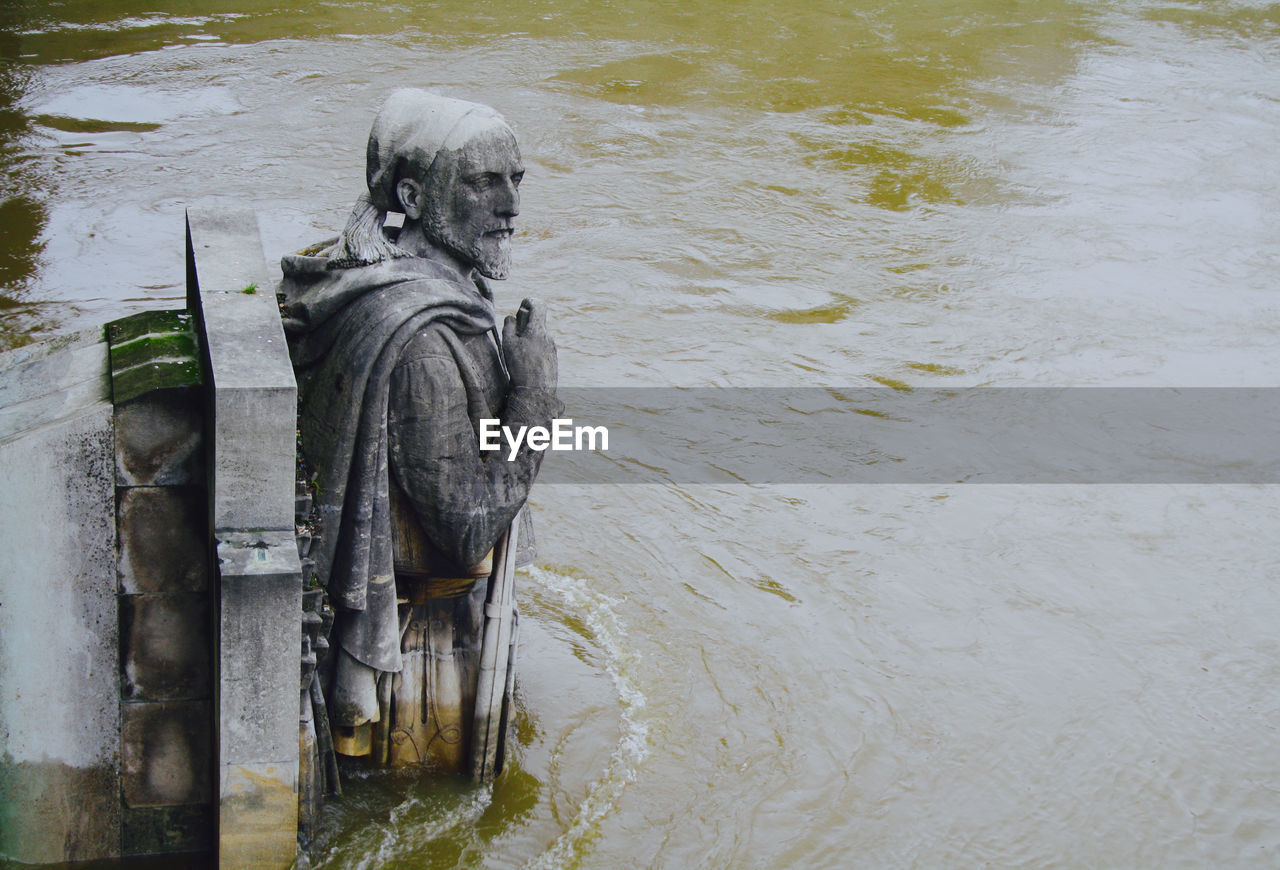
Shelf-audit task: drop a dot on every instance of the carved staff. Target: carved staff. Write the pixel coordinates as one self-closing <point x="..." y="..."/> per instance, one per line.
<point x="495" y="656"/>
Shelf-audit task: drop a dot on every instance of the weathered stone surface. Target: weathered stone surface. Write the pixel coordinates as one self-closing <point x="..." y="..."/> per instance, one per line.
<point x="168" y="830"/>
<point x="49" y="381"/>
<point x="158" y="375"/>
<point x="254" y="406"/>
<point x="150" y="336"/>
<point x="167" y="753"/>
<point x="51" y="812"/>
<point x="260" y="616"/>
<point x="150" y="351"/>
<point x="160" y="439"/>
<point x="225" y="247"/>
<point x="163" y="539"/>
<point x="254" y="392"/>
<point x="261" y="601"/>
<point x="165" y="652"/>
<point x="253" y="476"/>
<point x="259" y="813"/>
<point x="126" y="330"/>
<point x="59" y="699"/>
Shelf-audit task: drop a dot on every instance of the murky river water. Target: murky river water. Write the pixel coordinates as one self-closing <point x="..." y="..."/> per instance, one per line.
<point x="843" y="194"/>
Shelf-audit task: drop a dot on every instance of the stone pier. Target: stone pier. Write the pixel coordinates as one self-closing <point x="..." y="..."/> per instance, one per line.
<point x="252" y="402"/>
<point x="150" y="587"/>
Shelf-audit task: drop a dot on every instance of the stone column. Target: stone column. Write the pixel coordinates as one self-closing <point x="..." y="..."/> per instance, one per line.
<point x="252" y="413"/>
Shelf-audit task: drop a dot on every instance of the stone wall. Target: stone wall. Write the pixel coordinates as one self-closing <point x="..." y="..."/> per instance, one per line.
<point x="166" y="651"/>
<point x="150" y="585"/>
<point x="59" y="684"/>
<point x="105" y="688"/>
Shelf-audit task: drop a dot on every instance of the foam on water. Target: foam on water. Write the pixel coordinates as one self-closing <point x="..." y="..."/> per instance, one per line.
<point x="414" y="829"/>
<point x="598" y="613"/>
<point x="405" y="834"/>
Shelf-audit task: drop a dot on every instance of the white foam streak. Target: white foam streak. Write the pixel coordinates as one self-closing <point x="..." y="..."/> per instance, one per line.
<point x="598" y="614"/>
<point x="410" y="829"/>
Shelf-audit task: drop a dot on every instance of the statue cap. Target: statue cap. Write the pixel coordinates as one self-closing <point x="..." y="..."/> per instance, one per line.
<point x="413" y="125"/>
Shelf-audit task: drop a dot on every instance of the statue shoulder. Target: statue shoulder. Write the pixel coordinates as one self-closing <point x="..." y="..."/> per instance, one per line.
<point x="313" y="290"/>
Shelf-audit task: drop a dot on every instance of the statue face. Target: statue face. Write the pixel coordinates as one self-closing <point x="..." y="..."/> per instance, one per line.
<point x="473" y="199"/>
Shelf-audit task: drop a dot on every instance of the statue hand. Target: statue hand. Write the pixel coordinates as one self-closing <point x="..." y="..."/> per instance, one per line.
<point x="528" y="350"/>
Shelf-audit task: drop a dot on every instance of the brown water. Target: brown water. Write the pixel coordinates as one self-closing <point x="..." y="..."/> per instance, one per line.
<point x="847" y="194"/>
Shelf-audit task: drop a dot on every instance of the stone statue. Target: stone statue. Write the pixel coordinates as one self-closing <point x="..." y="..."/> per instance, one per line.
<point x="398" y="355"/>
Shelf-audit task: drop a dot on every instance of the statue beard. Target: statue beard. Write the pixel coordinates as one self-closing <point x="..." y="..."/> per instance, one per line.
<point x="492" y="260"/>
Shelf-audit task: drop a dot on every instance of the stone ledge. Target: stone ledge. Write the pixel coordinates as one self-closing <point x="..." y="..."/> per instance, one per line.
<point x="126" y="330"/>
<point x="254" y="392"/>
<point x="227" y="245"/>
<point x="52" y="381"/>
<point x="153" y="350"/>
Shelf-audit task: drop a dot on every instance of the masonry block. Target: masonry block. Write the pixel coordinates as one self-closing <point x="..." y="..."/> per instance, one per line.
<point x="254" y="392"/>
<point x="165" y="647"/>
<point x="166" y="753"/>
<point x="153" y="350"/>
<point x="156" y="373"/>
<point x="168" y="830"/>
<point x="255" y="443"/>
<point x="160" y="439"/>
<point x="163" y="539"/>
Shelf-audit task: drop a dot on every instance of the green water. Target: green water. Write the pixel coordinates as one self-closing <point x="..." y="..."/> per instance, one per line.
<point x="748" y="194"/>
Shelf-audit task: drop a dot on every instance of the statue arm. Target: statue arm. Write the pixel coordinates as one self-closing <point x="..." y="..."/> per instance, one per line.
<point x="463" y="501"/>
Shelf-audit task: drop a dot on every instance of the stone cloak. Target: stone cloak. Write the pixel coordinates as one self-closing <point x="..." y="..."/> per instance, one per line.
<point x="346" y="330"/>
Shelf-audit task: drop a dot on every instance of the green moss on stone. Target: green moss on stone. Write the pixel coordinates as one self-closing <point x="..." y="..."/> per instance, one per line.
<point x="133" y="382"/>
<point x="150" y="348"/>
<point x="153" y="350"/>
<point x="148" y="323"/>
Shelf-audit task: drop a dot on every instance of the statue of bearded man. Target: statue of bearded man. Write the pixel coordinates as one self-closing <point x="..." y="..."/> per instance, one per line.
<point x="398" y="356"/>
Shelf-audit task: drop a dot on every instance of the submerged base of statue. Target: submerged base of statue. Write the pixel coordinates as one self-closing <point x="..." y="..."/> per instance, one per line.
<point x="426" y="710"/>
<point x="447" y="707"/>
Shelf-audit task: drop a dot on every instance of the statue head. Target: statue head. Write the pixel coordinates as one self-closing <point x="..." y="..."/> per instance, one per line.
<point x="453" y="169"/>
